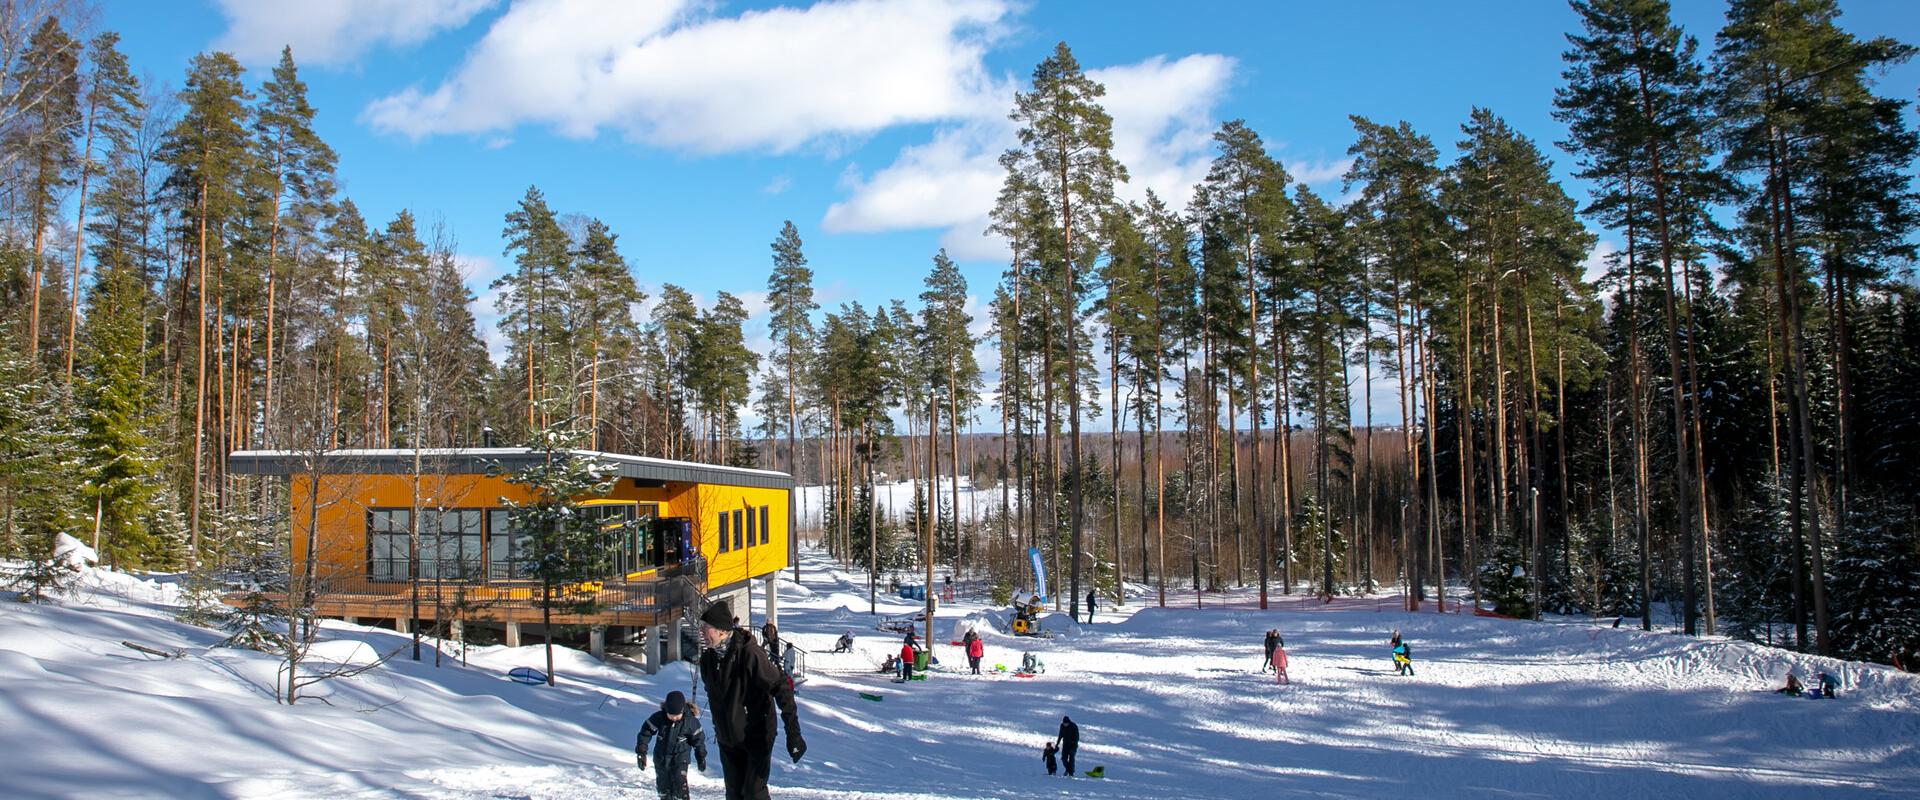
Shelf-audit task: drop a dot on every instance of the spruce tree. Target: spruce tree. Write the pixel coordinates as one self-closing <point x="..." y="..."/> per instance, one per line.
<point x="117" y="399"/>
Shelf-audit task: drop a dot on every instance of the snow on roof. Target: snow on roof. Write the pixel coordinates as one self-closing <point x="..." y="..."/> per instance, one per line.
<point x="478" y="459"/>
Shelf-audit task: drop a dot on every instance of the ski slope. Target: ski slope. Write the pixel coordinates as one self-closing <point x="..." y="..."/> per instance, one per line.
<point x="1171" y="701"/>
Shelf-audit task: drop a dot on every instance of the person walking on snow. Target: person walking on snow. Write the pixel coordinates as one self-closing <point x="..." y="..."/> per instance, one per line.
<point x="1402" y="656"/>
<point x="675" y="734"/>
<point x="1069" y="740"/>
<point x="906" y="659"/>
<point x="1048" y="754"/>
<point x="1279" y="658"/>
<point x="744" y="691"/>
<point x="1090" y="597"/>
<point x="770" y="639"/>
<point x="1266" y="649"/>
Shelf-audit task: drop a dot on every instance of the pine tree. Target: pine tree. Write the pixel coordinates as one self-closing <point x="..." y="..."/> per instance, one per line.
<point x="206" y="149"/>
<point x="1245" y="196"/>
<point x="45" y="122"/>
<point x="1066" y="142"/>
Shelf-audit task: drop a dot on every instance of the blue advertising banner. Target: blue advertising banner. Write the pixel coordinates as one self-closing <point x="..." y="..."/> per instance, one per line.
<point x="1039" y="575"/>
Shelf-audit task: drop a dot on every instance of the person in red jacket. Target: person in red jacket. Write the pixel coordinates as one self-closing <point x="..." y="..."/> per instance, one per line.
<point x="906" y="659"/>
<point x="976" y="650"/>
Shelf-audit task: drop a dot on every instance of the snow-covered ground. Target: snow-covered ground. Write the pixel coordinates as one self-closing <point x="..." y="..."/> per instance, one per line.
<point x="1171" y="701"/>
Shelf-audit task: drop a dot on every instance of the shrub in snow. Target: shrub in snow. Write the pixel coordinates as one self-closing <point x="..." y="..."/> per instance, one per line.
<point x="50" y="570"/>
<point x="1504" y="581"/>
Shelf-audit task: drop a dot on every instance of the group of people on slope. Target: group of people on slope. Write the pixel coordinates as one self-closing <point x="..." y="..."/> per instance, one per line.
<point x="1274" y="650"/>
<point x="745" y="691"/>
<point x="1826" y="687"/>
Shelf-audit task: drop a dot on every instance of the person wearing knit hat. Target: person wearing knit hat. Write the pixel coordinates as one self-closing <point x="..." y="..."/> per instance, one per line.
<point x="744" y="691"/>
<point x="674" y="734"/>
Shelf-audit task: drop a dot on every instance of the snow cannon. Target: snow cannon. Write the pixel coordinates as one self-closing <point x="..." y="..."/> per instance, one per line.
<point x="1026" y="616"/>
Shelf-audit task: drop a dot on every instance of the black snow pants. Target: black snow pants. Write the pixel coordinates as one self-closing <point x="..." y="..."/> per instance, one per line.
<point x="1066" y="758"/>
<point x="671" y="781"/>
<point x="746" y="770"/>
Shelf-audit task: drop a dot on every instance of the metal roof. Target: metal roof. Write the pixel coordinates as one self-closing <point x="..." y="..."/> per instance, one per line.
<point x="478" y="460"/>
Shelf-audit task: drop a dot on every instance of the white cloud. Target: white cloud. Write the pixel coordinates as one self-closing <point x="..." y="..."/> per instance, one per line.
<point x="334" y="32"/>
<point x="1162" y="131"/>
<point x="779" y="185"/>
<point x="666" y="74"/>
<point x="1595" y="267"/>
<point x="1304" y="171"/>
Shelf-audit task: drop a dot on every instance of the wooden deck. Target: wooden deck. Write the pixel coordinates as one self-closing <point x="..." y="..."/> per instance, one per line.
<point x="635" y="603"/>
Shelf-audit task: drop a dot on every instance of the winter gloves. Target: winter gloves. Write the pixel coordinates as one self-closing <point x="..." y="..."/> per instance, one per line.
<point x="701" y="763"/>
<point x="796" y="746"/>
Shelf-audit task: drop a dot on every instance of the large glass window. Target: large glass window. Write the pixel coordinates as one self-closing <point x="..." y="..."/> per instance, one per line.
<point x="450" y="544"/>
<point x="388" y="548"/>
<point x="506" y="548"/>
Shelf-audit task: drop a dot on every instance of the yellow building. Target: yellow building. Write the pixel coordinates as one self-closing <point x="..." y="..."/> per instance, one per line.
<point x="674" y="531"/>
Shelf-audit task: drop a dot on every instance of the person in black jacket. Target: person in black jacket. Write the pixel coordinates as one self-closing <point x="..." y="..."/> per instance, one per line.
<point x="1069" y="743"/>
<point x="744" y="688"/>
<point x="1266" y="649"/>
<point x="1090" y="597"/>
<point x="674" y="734"/>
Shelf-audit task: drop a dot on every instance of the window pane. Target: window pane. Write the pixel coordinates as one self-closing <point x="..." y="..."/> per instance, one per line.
<point x="753" y="530"/>
<point x="764" y="534"/>
<point x="726" y="540"/>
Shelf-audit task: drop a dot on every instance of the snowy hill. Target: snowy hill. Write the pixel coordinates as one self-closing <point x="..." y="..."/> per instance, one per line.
<point x="1171" y="701"/>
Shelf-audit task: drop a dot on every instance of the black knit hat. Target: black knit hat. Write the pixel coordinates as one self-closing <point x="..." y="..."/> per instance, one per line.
<point x="718" y="615"/>
<point x="676" y="703"/>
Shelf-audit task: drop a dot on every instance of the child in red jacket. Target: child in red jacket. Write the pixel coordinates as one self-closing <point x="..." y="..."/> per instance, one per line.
<point x="976" y="650"/>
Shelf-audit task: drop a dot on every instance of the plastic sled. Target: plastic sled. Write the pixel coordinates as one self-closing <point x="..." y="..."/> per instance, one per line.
<point x="526" y="675"/>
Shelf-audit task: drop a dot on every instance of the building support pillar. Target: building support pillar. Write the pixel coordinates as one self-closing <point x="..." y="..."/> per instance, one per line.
<point x="668" y="637"/>
<point x="597" y="641"/>
<point x="649" y="652"/>
<point x="773" y="604"/>
<point x="402" y="625"/>
<point x="513" y="634"/>
<point x="457" y="630"/>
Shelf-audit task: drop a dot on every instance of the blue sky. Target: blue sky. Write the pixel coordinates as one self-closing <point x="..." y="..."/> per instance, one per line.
<point x="695" y="128"/>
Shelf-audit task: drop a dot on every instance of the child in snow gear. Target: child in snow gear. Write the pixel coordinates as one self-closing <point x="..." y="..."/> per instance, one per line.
<point x="744" y="692"/>
<point x="1030" y="664"/>
<point x="1279" y="658"/>
<point x="1402" y="656"/>
<point x="1828" y="688"/>
<point x="1792" y="689"/>
<point x="674" y="734"/>
<point x="770" y="639"/>
<point x="1069" y="743"/>
<point x="976" y="650"/>
<point x="907" y="653"/>
<point x="1048" y="754"/>
<point x="845" y="644"/>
